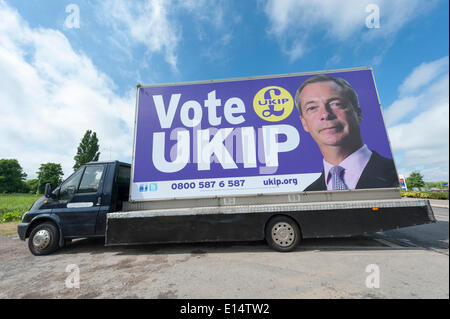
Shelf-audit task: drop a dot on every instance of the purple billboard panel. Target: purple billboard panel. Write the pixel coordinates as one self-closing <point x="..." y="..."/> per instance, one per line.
<point x="268" y="135"/>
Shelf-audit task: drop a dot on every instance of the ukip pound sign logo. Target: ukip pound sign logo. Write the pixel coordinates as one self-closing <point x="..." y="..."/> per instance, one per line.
<point x="273" y="103"/>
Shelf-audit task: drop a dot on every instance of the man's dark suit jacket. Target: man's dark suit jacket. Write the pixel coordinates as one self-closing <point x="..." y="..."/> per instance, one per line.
<point x="379" y="172"/>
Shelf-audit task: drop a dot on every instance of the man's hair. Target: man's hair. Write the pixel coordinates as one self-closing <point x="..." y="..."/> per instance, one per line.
<point x="348" y="91"/>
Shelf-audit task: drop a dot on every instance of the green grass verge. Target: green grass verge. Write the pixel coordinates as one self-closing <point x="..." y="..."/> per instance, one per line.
<point x="13" y="206"/>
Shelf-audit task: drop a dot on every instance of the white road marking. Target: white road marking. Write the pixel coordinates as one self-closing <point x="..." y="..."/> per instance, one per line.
<point x="388" y="243"/>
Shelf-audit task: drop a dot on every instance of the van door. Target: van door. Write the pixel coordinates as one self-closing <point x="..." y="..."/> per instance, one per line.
<point x="117" y="195"/>
<point x="79" y="201"/>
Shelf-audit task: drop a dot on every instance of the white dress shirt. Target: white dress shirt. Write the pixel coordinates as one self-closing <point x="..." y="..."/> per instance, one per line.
<point x="354" y="165"/>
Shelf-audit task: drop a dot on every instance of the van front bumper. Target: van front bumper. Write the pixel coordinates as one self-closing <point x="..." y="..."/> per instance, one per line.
<point x="22" y="230"/>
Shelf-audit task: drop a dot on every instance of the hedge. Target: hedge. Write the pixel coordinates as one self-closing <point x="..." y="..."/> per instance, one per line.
<point x="427" y="195"/>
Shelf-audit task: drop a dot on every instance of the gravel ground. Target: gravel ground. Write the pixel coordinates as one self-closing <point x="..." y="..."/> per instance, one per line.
<point x="318" y="269"/>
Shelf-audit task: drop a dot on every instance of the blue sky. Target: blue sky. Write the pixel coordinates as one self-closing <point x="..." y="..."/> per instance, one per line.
<point x="121" y="43"/>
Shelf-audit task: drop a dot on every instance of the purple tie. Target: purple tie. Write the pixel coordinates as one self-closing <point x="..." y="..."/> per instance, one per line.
<point x="337" y="183"/>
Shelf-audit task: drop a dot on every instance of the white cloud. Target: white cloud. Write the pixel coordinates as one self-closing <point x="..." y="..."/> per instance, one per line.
<point x="218" y="14"/>
<point x="425" y="87"/>
<point x="299" y="24"/>
<point x="423" y="74"/>
<point x="155" y="24"/>
<point x="296" y="50"/>
<point x="50" y="95"/>
<point x="339" y="18"/>
<point x="213" y="12"/>
<point x="418" y="122"/>
<point x="147" y="23"/>
<point x="401" y="108"/>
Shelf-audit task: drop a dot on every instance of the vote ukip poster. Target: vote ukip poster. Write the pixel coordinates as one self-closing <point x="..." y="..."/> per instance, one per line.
<point x="260" y="135"/>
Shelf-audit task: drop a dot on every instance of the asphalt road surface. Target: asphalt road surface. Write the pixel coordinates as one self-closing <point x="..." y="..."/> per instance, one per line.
<point x="404" y="263"/>
<point x="430" y="236"/>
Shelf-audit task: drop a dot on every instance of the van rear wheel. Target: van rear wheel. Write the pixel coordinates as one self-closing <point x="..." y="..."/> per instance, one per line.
<point x="43" y="239"/>
<point x="282" y="234"/>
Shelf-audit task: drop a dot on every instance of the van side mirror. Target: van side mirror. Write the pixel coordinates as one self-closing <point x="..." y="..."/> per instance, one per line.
<point x="48" y="190"/>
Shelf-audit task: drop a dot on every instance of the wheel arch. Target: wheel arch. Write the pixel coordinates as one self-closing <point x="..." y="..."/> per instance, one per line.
<point x="43" y="219"/>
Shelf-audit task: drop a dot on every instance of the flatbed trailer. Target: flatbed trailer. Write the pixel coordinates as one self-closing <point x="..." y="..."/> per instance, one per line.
<point x="231" y="220"/>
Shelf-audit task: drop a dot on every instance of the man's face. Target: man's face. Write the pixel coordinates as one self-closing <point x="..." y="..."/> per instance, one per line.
<point x="327" y="115"/>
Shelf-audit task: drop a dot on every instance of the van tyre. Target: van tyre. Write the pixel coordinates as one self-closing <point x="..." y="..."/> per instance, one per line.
<point x="44" y="239"/>
<point x="283" y="234"/>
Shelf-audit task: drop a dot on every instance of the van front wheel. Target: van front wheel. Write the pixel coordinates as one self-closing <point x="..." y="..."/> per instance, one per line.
<point x="282" y="234"/>
<point x="43" y="239"/>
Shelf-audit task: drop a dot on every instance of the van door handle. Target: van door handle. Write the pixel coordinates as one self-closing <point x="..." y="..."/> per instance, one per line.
<point x="99" y="200"/>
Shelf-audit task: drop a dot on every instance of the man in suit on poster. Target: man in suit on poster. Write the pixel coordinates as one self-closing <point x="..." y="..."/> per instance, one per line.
<point x="330" y="112"/>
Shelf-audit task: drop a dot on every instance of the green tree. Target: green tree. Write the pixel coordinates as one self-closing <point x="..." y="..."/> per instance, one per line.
<point x="439" y="185"/>
<point x="32" y="185"/>
<point x="415" y="179"/>
<point x="11" y="176"/>
<point x="87" y="150"/>
<point x="49" y="173"/>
